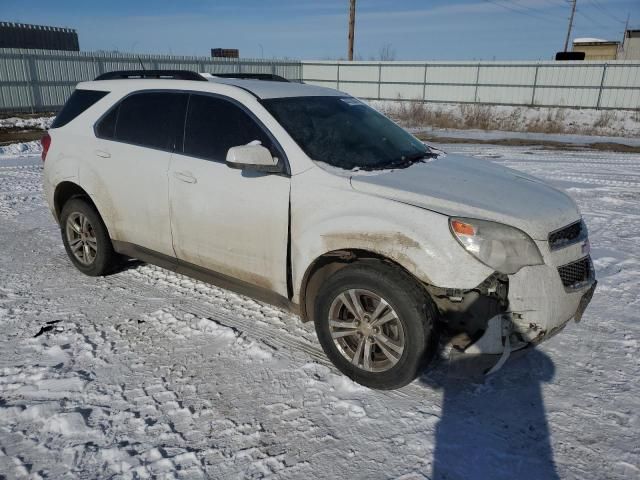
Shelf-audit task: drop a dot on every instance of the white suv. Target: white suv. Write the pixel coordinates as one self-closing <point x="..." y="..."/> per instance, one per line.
<point x="307" y="198"/>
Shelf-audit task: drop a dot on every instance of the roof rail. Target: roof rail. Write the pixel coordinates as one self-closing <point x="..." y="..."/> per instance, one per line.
<point x="160" y="74"/>
<point x="252" y="76"/>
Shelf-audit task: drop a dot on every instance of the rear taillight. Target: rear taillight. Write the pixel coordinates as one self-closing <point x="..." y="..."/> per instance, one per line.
<point x="45" y="141"/>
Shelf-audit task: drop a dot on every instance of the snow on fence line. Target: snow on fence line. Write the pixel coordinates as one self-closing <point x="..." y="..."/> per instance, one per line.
<point x="41" y="80"/>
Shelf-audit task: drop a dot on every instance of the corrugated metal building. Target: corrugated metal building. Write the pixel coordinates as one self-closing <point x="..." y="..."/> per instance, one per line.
<point x="43" y="37"/>
<point x="225" y="53"/>
<point x="596" y="49"/>
<point x="631" y="46"/>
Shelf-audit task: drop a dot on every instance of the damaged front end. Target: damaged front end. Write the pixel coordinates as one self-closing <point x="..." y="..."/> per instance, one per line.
<point x="506" y="313"/>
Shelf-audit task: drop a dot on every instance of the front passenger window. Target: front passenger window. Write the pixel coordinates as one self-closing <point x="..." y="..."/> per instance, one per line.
<point x="215" y="125"/>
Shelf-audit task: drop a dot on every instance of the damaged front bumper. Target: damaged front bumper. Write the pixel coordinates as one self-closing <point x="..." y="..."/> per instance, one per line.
<point x="540" y="305"/>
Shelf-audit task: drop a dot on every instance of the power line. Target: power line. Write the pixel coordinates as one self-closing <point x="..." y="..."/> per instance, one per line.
<point x="536" y="10"/>
<point x="533" y="14"/>
<point x="603" y="9"/>
<point x="595" y="22"/>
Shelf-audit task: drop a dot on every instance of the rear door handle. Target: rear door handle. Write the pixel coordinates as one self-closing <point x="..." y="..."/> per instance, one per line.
<point x="103" y="154"/>
<point x="185" y="177"/>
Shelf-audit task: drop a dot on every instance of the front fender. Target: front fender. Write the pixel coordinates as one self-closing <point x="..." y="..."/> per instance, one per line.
<point x="328" y="215"/>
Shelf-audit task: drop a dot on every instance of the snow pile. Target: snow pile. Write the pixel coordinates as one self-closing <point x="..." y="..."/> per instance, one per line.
<point x="590" y="40"/>
<point x="41" y="123"/>
<point x="21" y="149"/>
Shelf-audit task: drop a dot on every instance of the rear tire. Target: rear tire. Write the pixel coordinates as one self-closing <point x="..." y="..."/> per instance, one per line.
<point x="392" y="331"/>
<point x="86" y="239"/>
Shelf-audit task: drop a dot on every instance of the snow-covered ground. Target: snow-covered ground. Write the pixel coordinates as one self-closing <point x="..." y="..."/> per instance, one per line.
<point x="532" y="138"/>
<point x="620" y="123"/>
<point x="146" y="373"/>
<point x="19" y="149"/>
<point x="41" y="123"/>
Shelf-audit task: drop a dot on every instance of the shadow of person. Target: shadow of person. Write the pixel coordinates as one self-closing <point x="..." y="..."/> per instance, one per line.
<point x="496" y="429"/>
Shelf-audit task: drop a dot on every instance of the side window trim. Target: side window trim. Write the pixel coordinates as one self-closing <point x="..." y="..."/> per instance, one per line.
<point x="180" y="149"/>
<point x="184" y="124"/>
<point x="282" y="156"/>
<point x="115" y="125"/>
<point x="117" y="106"/>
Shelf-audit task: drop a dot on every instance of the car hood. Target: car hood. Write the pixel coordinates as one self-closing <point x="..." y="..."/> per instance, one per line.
<point x="468" y="187"/>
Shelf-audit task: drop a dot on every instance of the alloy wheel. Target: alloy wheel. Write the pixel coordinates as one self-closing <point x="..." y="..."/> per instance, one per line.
<point x="81" y="238"/>
<point x="366" y="330"/>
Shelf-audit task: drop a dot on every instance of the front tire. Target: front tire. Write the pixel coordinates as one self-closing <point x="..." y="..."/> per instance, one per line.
<point x="85" y="238"/>
<point x="376" y="324"/>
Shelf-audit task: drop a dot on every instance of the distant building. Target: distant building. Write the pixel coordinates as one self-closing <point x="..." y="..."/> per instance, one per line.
<point x="631" y="46"/>
<point x="596" y="48"/>
<point x="225" y="52"/>
<point x="20" y="35"/>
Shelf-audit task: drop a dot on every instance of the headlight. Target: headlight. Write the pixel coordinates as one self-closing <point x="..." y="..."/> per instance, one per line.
<point x="503" y="248"/>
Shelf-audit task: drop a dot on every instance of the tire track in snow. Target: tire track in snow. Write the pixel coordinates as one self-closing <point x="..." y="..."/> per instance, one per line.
<point x="254" y="327"/>
<point x="592" y="180"/>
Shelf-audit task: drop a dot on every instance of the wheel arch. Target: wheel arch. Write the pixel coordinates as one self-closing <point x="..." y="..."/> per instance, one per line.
<point x="330" y="262"/>
<point x="64" y="192"/>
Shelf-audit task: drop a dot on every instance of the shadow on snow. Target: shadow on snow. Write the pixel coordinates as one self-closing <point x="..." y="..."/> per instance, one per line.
<point x="493" y="427"/>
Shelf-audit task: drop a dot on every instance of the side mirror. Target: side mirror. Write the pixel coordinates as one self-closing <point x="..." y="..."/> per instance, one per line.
<point x="252" y="157"/>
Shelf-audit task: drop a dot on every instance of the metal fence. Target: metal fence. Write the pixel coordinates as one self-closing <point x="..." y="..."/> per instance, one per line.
<point x="601" y="85"/>
<point x="42" y="80"/>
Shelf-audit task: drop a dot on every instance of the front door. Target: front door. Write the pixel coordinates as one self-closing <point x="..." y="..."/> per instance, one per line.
<point x="233" y="222"/>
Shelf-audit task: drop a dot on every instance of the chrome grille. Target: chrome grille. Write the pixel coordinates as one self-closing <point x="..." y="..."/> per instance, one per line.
<point x="575" y="274"/>
<point x="565" y="236"/>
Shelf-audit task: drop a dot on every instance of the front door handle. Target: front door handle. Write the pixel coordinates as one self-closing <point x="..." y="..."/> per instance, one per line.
<point x="102" y="154"/>
<point x="185" y="177"/>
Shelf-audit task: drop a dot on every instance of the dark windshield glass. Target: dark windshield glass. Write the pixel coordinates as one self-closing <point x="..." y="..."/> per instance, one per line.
<point x="346" y="133"/>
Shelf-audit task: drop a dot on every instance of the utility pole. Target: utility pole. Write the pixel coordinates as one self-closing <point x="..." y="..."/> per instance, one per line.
<point x="626" y="25"/>
<point x="352" y="26"/>
<point x="621" y="54"/>
<point x="573" y="12"/>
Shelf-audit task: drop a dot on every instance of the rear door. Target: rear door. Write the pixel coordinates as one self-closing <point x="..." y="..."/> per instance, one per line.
<point x="229" y="221"/>
<point x="128" y="169"/>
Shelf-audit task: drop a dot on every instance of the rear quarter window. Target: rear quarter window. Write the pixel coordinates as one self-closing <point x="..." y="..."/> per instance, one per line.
<point x="106" y="127"/>
<point x="79" y="101"/>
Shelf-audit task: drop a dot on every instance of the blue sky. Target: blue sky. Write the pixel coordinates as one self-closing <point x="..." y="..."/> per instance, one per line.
<point x="317" y="29"/>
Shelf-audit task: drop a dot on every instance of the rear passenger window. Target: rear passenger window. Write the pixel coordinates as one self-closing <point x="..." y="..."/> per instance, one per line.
<point x="150" y="119"/>
<point x="215" y="125"/>
<point x="106" y="127"/>
<point x="79" y="101"/>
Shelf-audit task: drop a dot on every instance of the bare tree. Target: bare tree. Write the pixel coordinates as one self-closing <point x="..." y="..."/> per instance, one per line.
<point x="387" y="53"/>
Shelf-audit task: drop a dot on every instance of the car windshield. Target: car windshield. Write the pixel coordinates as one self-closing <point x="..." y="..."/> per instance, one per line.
<point x="346" y="133"/>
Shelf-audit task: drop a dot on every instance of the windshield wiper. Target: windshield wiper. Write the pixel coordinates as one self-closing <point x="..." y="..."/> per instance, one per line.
<point x="407" y="160"/>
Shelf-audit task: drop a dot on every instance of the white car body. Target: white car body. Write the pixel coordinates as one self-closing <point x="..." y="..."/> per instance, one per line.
<point x="206" y="215"/>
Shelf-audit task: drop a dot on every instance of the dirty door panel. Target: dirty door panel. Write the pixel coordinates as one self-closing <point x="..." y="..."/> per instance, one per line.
<point x="127" y="172"/>
<point x="233" y="222"/>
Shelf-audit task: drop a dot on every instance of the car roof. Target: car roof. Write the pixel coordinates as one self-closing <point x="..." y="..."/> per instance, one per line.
<point x="265" y="89"/>
<point x="262" y="89"/>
